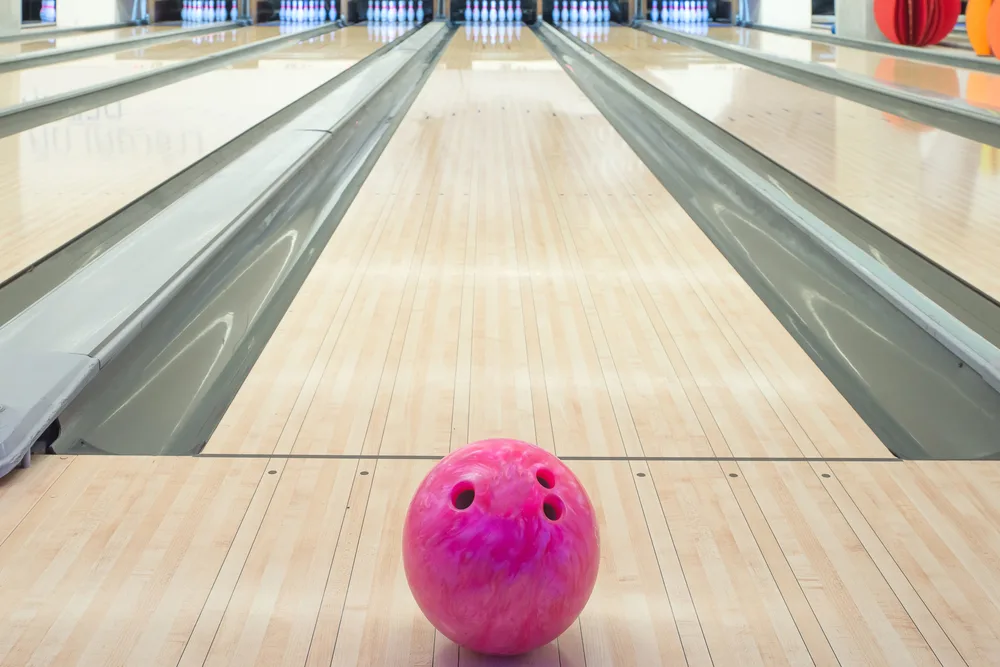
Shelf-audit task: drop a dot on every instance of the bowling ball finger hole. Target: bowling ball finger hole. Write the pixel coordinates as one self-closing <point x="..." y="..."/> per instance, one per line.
<point x="462" y="495"/>
<point x="553" y="508"/>
<point x="545" y="478"/>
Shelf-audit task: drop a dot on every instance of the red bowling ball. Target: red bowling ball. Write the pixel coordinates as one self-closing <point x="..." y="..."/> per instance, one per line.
<point x="501" y="547"/>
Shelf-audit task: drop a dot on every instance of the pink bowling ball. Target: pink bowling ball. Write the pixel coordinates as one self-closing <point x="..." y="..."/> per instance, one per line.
<point x="501" y="547"/>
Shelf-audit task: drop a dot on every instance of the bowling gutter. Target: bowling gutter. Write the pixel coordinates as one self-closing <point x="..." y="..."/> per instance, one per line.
<point x="916" y="373"/>
<point x="31" y="114"/>
<point x="34" y="33"/>
<point x="232" y="252"/>
<point x="890" y="49"/>
<point x="950" y="115"/>
<point x="53" y="56"/>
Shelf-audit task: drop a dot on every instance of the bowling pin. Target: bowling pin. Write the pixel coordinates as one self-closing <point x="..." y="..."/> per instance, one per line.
<point x="493" y="11"/>
<point x="555" y="11"/>
<point x="606" y="11"/>
<point x="654" y="12"/>
<point x="583" y="11"/>
<point x="420" y="11"/>
<point x="574" y="11"/>
<point x="501" y="12"/>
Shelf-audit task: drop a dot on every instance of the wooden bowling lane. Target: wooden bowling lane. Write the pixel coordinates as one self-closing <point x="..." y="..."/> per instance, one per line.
<point x="244" y="562"/>
<point x="511" y="267"/>
<point x="921" y="77"/>
<point x="59" y="180"/>
<point x="36" y="83"/>
<point x="76" y="40"/>
<point x="934" y="191"/>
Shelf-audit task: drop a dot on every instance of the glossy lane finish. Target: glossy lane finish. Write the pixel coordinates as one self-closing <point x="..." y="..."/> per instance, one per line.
<point x="978" y="89"/>
<point x="511" y="268"/>
<point x="528" y="171"/>
<point x="73" y="41"/>
<point x="479" y="259"/>
<point x="934" y="191"/>
<point x="37" y="83"/>
<point x="60" y="179"/>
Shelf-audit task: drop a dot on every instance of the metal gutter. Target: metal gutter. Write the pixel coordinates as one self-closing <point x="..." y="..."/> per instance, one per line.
<point x="951" y="115"/>
<point x="926" y="384"/>
<point x="988" y="65"/>
<point x="226" y="255"/>
<point x="53" y="56"/>
<point x="36" y="33"/>
<point x="31" y="114"/>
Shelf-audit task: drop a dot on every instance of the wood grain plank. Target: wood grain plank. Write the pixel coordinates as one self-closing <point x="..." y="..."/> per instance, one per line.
<point x="743" y="615"/>
<point x="20" y="490"/>
<point x="940" y="523"/>
<point x="862" y="616"/>
<point x="114" y="564"/>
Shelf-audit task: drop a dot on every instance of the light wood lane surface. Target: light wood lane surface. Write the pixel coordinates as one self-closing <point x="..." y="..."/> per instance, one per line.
<point x="512" y="268"/>
<point x="242" y="562"/>
<point x="934" y="191"/>
<point x="73" y="41"/>
<point x="939" y="523"/>
<point x="36" y="83"/>
<point x="115" y="560"/>
<point x="926" y="78"/>
<point x="60" y="179"/>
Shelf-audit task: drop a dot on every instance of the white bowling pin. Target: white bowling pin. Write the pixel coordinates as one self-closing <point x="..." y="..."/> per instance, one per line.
<point x="574" y="11"/>
<point x="583" y="11"/>
<point x="555" y="11"/>
<point x="654" y="12"/>
<point x="501" y="12"/>
<point x="493" y="11"/>
<point x="420" y="11"/>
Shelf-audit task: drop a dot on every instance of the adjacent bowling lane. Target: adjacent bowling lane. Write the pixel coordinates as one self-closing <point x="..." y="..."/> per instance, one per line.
<point x="979" y="89"/>
<point x="76" y="40"/>
<point x="36" y="83"/>
<point x="58" y="180"/>
<point x="937" y="192"/>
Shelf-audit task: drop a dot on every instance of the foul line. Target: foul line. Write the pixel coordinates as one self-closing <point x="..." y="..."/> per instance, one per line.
<point x="626" y="459"/>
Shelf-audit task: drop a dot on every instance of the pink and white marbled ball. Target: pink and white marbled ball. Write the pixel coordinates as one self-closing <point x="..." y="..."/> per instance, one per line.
<point x="501" y="547"/>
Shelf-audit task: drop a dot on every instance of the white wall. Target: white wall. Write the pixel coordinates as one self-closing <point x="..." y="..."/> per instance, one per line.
<point x="10" y="16"/>
<point x="856" y="20"/>
<point x="794" y="14"/>
<point x="71" y="13"/>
